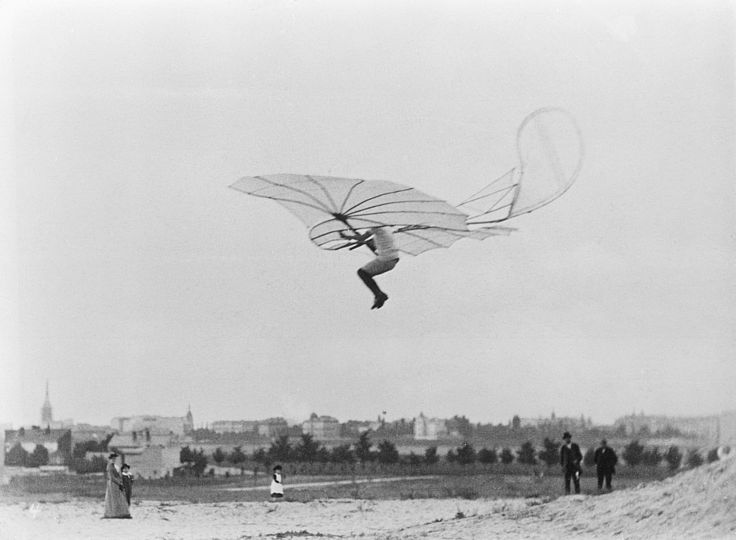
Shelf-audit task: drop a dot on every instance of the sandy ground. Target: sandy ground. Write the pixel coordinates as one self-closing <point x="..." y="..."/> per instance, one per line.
<point x="695" y="504"/>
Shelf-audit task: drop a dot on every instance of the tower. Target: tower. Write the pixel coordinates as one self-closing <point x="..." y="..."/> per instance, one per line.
<point x="189" y="420"/>
<point x="46" y="412"/>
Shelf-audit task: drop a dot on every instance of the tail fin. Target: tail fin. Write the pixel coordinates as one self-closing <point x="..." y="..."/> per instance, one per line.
<point x="550" y="154"/>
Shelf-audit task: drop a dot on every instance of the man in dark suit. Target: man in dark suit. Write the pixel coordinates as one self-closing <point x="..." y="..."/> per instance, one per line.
<point x="605" y="464"/>
<point x="570" y="458"/>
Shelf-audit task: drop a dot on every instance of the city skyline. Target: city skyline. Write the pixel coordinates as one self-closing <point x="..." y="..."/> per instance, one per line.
<point x="136" y="280"/>
<point x="47" y="415"/>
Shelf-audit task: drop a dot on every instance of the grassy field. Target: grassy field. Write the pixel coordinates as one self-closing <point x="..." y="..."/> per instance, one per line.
<point x="468" y="485"/>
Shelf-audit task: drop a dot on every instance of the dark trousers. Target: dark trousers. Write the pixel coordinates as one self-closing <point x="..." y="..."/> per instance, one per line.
<point x="604" y="475"/>
<point x="571" y="475"/>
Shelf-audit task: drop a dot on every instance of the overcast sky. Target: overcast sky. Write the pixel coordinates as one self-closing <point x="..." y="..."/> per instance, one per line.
<point x="135" y="281"/>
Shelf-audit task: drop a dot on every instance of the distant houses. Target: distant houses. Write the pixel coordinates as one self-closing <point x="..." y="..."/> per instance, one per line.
<point x="429" y="429"/>
<point x="22" y="444"/>
<point x="151" y="444"/>
<point x="178" y="425"/>
<point x="703" y="427"/>
<point x="322" y="428"/>
<point x="567" y="423"/>
<point x="273" y="427"/>
<point x="151" y="453"/>
<point x="234" y="426"/>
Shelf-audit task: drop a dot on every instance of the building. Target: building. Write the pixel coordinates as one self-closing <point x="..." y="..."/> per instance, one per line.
<point x="321" y="428"/>
<point x="47" y="416"/>
<point x="188" y="421"/>
<point x="88" y="432"/>
<point x="235" y="426"/>
<point x="178" y="425"/>
<point x="153" y="461"/>
<point x="57" y="442"/>
<point x="273" y="427"/>
<point x="353" y="428"/>
<point x="705" y="428"/>
<point x="568" y="423"/>
<point x="150" y="454"/>
<point x="3" y="479"/>
<point x="429" y="429"/>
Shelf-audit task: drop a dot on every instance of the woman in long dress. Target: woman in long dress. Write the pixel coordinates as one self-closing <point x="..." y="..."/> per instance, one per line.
<point x="115" y="504"/>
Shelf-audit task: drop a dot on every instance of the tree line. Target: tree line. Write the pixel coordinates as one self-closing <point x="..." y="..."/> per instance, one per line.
<point x="307" y="450"/>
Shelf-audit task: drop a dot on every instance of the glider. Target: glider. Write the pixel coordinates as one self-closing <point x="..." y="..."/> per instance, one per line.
<point x="550" y="158"/>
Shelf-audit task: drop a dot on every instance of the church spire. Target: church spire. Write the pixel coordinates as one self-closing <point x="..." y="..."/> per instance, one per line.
<point x="46" y="411"/>
<point x="189" y="420"/>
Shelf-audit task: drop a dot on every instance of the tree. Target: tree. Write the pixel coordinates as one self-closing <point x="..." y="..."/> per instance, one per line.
<point x="218" y="455"/>
<point x="466" y="454"/>
<point x="651" y="457"/>
<point x="16" y="456"/>
<point x="307" y="449"/>
<point x="673" y="457"/>
<point x="487" y="457"/>
<point x="342" y="454"/>
<point x="694" y="459"/>
<point x="322" y="455"/>
<point x="261" y="456"/>
<point x="515" y="422"/>
<point x="712" y="455"/>
<point x="430" y="455"/>
<point x="186" y="455"/>
<point x="81" y="448"/>
<point x="39" y="456"/>
<point x="527" y="454"/>
<point x="507" y="456"/>
<point x="632" y="453"/>
<point x="387" y="452"/>
<point x="280" y="449"/>
<point x="551" y="453"/>
<point x="589" y="457"/>
<point x="200" y="463"/>
<point x="195" y="461"/>
<point x="363" y="447"/>
<point x="237" y="455"/>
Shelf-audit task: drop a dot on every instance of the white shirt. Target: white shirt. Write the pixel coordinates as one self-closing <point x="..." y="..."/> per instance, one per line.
<point x="276" y="486"/>
<point x="383" y="240"/>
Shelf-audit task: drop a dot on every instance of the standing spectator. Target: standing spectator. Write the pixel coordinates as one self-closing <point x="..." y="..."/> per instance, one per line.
<point x="570" y="458"/>
<point x="127" y="481"/>
<point x="277" y="488"/>
<point x="605" y="464"/>
<point x="115" y="505"/>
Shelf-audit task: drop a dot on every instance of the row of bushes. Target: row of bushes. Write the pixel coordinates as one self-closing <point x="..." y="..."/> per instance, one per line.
<point x="309" y="451"/>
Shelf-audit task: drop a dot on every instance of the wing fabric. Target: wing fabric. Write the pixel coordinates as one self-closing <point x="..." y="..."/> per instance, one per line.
<point x="550" y="153"/>
<point x="418" y="240"/>
<point x="329" y="205"/>
<point x="493" y="203"/>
